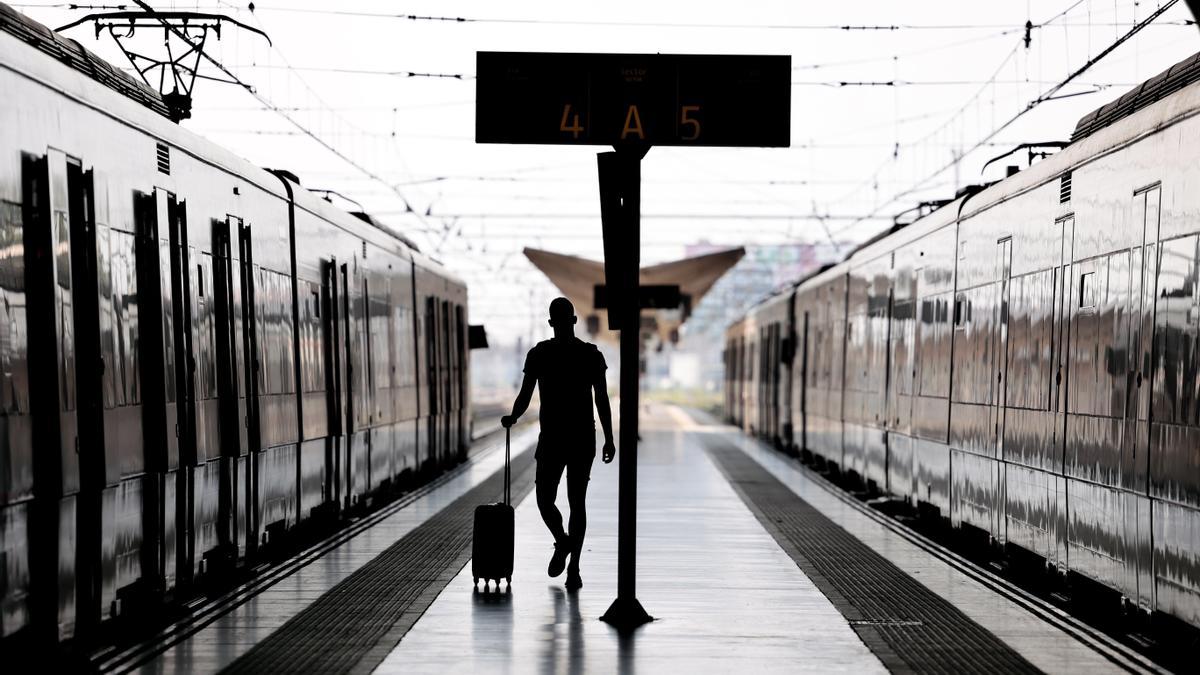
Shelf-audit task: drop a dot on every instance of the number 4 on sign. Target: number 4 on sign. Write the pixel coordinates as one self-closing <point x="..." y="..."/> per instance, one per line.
<point x="576" y="128"/>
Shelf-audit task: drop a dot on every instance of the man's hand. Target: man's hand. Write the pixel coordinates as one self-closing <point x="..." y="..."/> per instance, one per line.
<point x="508" y="420"/>
<point x="610" y="451"/>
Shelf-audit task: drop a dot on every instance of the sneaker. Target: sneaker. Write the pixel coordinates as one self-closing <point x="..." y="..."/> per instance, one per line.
<point x="574" y="582"/>
<point x="558" y="561"/>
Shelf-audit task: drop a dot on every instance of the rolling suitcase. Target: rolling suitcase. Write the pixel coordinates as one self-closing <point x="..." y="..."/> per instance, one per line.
<point x="492" y="548"/>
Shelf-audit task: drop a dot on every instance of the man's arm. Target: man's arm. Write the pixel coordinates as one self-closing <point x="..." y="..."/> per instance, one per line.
<point x="522" y="402"/>
<point x="600" y="387"/>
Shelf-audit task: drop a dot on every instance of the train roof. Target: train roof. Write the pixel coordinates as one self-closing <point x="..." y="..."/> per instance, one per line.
<point x="1106" y="129"/>
<point x="71" y="53"/>
<point x="1133" y="124"/>
<point x="123" y="98"/>
<point x="1164" y="84"/>
<point x="1110" y="126"/>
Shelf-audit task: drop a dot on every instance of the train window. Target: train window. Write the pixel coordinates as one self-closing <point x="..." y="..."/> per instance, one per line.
<point x="962" y="312"/>
<point x="1087" y="290"/>
<point x="1174" y="397"/>
<point x="312" y="342"/>
<point x="199" y="281"/>
<point x="15" y="394"/>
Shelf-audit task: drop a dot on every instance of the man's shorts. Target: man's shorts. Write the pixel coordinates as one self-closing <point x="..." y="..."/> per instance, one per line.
<point x="573" y="453"/>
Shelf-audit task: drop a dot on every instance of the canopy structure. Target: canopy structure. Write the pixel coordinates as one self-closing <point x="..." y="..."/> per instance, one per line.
<point x="577" y="279"/>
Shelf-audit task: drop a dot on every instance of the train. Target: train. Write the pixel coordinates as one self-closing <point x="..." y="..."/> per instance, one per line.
<point x="1020" y="362"/>
<point x="200" y="360"/>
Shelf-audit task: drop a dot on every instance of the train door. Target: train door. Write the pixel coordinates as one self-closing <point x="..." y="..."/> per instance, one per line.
<point x="228" y="365"/>
<point x="358" y="359"/>
<point x="349" y="374"/>
<point x="333" y="329"/>
<point x="766" y="376"/>
<point x="750" y="400"/>
<point x="731" y="375"/>
<point x="783" y="365"/>
<point x="773" y="378"/>
<point x="770" y="397"/>
<point x="100" y="503"/>
<point x="431" y="370"/>
<point x="759" y="357"/>
<point x="1135" y="451"/>
<point x="1064" y="230"/>
<point x="462" y="432"/>
<point x="202" y="338"/>
<point x="47" y="203"/>
<point x="447" y="390"/>
<point x="766" y="382"/>
<point x="1000" y="347"/>
<point x="249" y="376"/>
<point x="161" y="229"/>
<point x="805" y="383"/>
<point x="180" y="289"/>
<point x="901" y="467"/>
<point x="731" y="380"/>
<point x="742" y="379"/>
<point x="1000" y="383"/>
<point x="880" y="382"/>
<point x="915" y="351"/>
<point x="17" y="510"/>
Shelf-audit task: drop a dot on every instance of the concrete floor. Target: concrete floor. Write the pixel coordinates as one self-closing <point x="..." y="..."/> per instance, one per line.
<point x="725" y="596"/>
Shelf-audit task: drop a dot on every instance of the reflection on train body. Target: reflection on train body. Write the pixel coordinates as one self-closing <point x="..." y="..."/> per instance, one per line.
<point x="198" y="359"/>
<point x="1023" y="360"/>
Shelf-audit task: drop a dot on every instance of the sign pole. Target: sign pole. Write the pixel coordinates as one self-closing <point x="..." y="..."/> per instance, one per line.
<point x="631" y="102"/>
<point x="623" y="238"/>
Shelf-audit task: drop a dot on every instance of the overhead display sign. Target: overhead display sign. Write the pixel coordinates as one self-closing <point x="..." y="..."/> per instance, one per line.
<point x="633" y="99"/>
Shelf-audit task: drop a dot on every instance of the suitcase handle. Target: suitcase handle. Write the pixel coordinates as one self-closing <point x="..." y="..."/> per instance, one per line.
<point x="507" y="471"/>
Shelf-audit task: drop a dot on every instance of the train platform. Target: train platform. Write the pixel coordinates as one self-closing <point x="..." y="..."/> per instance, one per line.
<point x="749" y="562"/>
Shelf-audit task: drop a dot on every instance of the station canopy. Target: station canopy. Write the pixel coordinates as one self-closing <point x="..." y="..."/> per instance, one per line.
<point x="577" y="278"/>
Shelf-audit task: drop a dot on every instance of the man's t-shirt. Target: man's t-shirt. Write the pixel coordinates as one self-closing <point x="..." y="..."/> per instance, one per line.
<point x="565" y="370"/>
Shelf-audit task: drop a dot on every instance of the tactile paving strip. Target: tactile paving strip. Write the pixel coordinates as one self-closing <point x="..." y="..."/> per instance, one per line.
<point x="906" y="625"/>
<point x="353" y="626"/>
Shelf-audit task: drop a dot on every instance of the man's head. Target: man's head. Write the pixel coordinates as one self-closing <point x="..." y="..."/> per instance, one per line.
<point x="562" y="313"/>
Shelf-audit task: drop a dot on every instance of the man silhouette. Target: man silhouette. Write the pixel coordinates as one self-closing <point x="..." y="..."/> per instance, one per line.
<point x="567" y="371"/>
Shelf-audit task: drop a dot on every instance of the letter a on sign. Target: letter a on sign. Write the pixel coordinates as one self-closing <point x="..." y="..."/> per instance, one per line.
<point x="633" y="124"/>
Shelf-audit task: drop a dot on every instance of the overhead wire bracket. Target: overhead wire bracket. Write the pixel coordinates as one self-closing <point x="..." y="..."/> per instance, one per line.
<point x="174" y="75"/>
<point x="1033" y="149"/>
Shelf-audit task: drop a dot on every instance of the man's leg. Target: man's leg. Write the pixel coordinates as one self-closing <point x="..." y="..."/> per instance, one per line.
<point x="579" y="473"/>
<point x="549" y="474"/>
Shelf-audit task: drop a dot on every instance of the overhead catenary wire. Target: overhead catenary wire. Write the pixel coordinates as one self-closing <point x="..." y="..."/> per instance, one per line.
<point x="843" y="27"/>
<point x="1048" y="95"/>
<point x="795" y="83"/>
<point x="400" y="183"/>
<point x="367" y="71"/>
<point x="651" y="216"/>
<point x="284" y="114"/>
<point x="953" y="119"/>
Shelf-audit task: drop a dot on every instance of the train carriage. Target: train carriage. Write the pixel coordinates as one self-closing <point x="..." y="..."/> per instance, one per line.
<point x="1023" y="360"/>
<point x="819" y="359"/>
<point x="200" y="357"/>
<point x="735" y="378"/>
<point x="774" y="337"/>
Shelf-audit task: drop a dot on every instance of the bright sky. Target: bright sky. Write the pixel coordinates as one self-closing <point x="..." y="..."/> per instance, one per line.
<point x="861" y="152"/>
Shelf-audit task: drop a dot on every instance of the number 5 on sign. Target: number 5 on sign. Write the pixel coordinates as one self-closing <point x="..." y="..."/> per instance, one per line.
<point x="576" y="128"/>
<point x="687" y="118"/>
